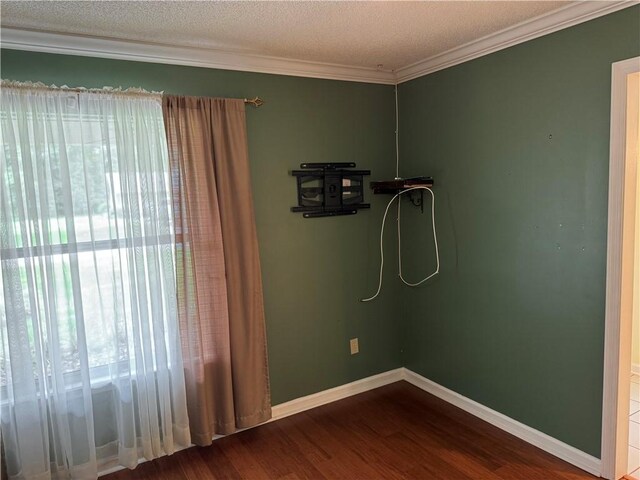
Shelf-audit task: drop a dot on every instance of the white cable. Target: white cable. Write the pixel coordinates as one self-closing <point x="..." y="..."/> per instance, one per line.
<point x="397" y="142"/>
<point x="384" y="219"/>
<point x="435" y="241"/>
<point x="398" y="228"/>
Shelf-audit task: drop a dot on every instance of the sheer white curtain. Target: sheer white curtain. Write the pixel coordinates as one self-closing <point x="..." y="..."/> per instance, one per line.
<point x="90" y="363"/>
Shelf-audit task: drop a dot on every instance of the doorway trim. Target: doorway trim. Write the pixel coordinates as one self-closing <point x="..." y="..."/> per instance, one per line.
<point x="619" y="297"/>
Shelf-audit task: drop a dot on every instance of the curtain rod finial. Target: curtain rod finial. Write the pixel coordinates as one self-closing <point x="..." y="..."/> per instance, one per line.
<point x="256" y="102"/>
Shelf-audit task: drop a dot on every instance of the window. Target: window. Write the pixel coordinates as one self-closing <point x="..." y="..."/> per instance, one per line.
<point x="87" y="233"/>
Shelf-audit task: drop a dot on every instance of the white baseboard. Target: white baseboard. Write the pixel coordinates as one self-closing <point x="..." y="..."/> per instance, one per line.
<point x="635" y="368"/>
<point x="534" y="437"/>
<point x="301" y="404"/>
<point x="333" y="394"/>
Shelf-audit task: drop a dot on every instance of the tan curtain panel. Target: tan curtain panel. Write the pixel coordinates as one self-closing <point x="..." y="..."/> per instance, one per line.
<point x="219" y="283"/>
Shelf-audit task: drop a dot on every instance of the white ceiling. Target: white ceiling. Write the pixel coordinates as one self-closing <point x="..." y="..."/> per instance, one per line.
<point x="358" y="34"/>
<point x="340" y="40"/>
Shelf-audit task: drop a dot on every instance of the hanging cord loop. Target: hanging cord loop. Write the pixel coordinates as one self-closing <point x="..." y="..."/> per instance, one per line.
<point x="435" y="239"/>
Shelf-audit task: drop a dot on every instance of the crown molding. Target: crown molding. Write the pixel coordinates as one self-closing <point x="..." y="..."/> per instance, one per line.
<point x="562" y="18"/>
<point x="88" y="46"/>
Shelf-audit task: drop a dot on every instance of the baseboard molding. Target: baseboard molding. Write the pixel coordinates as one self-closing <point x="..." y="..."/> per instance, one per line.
<point x="534" y="437"/>
<point x="541" y="440"/>
<point x="333" y="394"/>
<point x="635" y="368"/>
<point x="301" y="404"/>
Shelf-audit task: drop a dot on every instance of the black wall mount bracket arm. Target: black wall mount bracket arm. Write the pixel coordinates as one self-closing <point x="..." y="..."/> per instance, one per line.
<point x="329" y="189"/>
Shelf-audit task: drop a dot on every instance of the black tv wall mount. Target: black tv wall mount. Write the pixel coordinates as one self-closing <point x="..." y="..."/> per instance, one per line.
<point x="329" y="189"/>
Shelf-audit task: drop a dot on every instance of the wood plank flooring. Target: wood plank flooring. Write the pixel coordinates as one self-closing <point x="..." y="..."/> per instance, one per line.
<point x="394" y="432"/>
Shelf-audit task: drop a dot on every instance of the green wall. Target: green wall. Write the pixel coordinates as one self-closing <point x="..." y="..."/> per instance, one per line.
<point x="518" y="144"/>
<point x="314" y="270"/>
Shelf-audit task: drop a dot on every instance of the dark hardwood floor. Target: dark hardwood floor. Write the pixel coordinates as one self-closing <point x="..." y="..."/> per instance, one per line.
<point x="395" y="432"/>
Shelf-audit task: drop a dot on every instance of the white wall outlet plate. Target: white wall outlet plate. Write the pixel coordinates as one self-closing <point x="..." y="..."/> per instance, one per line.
<point x="353" y="344"/>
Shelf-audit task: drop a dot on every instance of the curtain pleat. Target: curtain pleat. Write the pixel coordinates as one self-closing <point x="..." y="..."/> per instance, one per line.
<point x="220" y="302"/>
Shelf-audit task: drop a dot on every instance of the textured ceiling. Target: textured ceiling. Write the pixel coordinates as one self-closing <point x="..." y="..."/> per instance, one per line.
<point x="392" y="33"/>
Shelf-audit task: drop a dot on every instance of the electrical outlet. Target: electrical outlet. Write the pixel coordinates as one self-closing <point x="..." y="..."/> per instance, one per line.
<point x="353" y="343"/>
